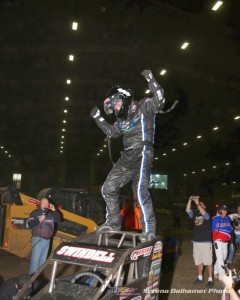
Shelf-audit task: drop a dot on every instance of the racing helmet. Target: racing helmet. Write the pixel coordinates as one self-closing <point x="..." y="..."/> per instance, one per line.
<point x="116" y="94"/>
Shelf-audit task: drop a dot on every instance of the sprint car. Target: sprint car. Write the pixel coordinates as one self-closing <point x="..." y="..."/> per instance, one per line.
<point x="115" y="265"/>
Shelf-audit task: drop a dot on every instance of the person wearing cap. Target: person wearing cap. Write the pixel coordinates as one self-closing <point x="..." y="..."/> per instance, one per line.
<point x="221" y="235"/>
<point x="202" y="239"/>
<point x="11" y="287"/>
<point x="236" y="225"/>
<point x="41" y="221"/>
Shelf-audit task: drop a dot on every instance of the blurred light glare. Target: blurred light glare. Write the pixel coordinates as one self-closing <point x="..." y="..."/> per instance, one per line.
<point x="74" y="25"/>
<point x="203" y="170"/>
<point x="65" y="111"/>
<point x="147" y="92"/>
<point x="199" y="136"/>
<point x="68" y="81"/>
<point x="17" y="177"/>
<point x="184" y="45"/>
<point x="163" y="72"/>
<point x="217" y="5"/>
<point x="227" y="164"/>
<point x="62" y="136"/>
<point x="173" y="149"/>
<point x="215" y="128"/>
<point x="64" y="121"/>
<point x="237" y="117"/>
<point x="193" y="172"/>
<point x="156" y="158"/>
<point x="71" y="57"/>
<point x="66" y="98"/>
<point x="185" y="144"/>
<point x="63" y="129"/>
<point x="164" y="154"/>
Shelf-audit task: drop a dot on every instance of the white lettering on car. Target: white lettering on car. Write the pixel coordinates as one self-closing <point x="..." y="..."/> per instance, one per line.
<point x="85" y="253"/>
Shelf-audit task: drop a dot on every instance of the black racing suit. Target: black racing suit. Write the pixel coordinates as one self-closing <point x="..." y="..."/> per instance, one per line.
<point x="136" y="158"/>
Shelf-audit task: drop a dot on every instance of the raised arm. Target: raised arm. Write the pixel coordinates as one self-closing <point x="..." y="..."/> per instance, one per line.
<point x="111" y="131"/>
<point x="156" y="103"/>
<point x="188" y="207"/>
<point x="200" y="205"/>
<point x="229" y="286"/>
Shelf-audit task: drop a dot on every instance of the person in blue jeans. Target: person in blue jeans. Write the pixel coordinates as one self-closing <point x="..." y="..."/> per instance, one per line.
<point x="235" y="218"/>
<point x="41" y="222"/>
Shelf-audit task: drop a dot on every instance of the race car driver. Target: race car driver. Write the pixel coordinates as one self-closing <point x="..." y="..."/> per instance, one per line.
<point x="135" y="121"/>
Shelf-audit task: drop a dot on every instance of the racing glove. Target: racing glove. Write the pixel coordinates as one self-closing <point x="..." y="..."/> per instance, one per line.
<point x="109" y="130"/>
<point x="95" y="112"/>
<point x="152" y="83"/>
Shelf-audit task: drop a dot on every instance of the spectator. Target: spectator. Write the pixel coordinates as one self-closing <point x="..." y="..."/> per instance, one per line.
<point x="11" y="287"/>
<point x="170" y="251"/>
<point x="41" y="221"/>
<point x="202" y="239"/>
<point x="221" y="232"/>
<point x="176" y="218"/>
<point x="236" y="224"/>
<point x="229" y="283"/>
<point x="130" y="215"/>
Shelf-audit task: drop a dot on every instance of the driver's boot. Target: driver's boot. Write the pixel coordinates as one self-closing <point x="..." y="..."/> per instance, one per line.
<point x="151" y="233"/>
<point x="147" y="236"/>
<point x="111" y="224"/>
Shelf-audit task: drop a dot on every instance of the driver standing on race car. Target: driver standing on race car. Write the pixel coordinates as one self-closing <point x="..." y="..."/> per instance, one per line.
<point x="135" y="121"/>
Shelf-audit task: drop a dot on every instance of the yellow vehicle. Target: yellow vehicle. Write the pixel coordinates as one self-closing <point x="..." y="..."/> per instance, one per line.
<point x="81" y="212"/>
